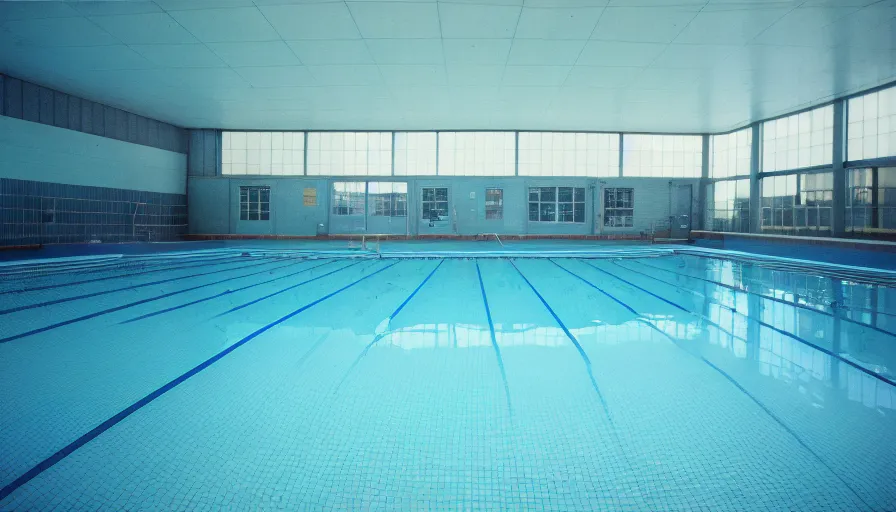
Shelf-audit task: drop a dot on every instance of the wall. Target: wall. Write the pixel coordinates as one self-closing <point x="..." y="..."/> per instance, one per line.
<point x="214" y="205"/>
<point x="75" y="171"/>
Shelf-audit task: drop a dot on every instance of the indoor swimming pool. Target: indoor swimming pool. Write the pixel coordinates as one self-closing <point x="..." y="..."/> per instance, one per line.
<point x="629" y="378"/>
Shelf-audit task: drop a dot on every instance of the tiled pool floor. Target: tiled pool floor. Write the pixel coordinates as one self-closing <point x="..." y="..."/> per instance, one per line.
<point x="456" y="384"/>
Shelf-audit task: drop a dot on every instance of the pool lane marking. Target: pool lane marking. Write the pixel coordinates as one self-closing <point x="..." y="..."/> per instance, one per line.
<point x="222" y="294"/>
<point x="623" y="304"/>
<point x="743" y="390"/>
<point x="790" y="335"/>
<point x="268" y="296"/>
<point x="126" y="288"/>
<point x="572" y="338"/>
<point x="768" y="411"/>
<point x="387" y="331"/>
<point x="136" y="406"/>
<point x="771" y="298"/>
<point x="491" y="330"/>
<point x="136" y="303"/>
<point x="210" y="263"/>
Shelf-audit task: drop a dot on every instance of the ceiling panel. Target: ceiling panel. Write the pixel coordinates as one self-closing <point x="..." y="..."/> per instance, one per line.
<point x="634" y="65"/>
<point x="276" y="76"/>
<point x="312" y="21"/>
<point x="476" y="51"/>
<point x="332" y="52"/>
<point x="264" y="53"/>
<point x="642" y="24"/>
<point x="558" y="22"/>
<point x="179" y="55"/>
<point x="544" y="52"/>
<point x="618" y="53"/>
<point x="389" y="20"/>
<point x="406" y="51"/>
<point x="59" y="32"/>
<point x="150" y="28"/>
<point x="222" y="25"/>
<point x="478" y="21"/>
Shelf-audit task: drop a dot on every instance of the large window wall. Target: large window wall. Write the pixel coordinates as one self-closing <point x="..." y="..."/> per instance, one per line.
<point x="728" y="206"/>
<point x="798" y="141"/>
<point x="568" y="154"/>
<point x="871" y="127"/>
<point x="662" y="156"/>
<point x="871" y="201"/>
<point x="798" y="204"/>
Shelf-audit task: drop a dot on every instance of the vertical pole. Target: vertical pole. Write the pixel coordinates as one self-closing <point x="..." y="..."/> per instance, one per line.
<point x="702" y="184"/>
<point x="838" y="212"/>
<point x="305" y="154"/>
<point x="619" y="172"/>
<point x="516" y="153"/>
<point x="755" y="167"/>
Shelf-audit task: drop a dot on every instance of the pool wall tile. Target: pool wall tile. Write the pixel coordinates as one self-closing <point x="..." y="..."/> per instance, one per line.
<point x="33" y="212"/>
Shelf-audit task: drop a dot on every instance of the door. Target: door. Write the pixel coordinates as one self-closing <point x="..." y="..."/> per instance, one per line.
<point x="434" y="214"/>
<point x="387" y="208"/>
<point x="680" y="215"/>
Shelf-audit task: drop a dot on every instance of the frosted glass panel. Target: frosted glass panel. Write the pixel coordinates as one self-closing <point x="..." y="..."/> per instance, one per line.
<point x="350" y="153"/>
<point x="662" y="156"/>
<point x="730" y="154"/>
<point x="415" y="153"/>
<point x="800" y="140"/>
<point x="872" y="125"/>
<point x="263" y="153"/>
<point x="568" y="154"/>
<point x="477" y="154"/>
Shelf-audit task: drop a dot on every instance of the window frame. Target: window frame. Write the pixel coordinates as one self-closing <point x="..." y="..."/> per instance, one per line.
<point x="260" y="206"/>
<point x="434" y="202"/>
<point x="557" y="209"/>
<point x="615" y="211"/>
<point x="494" y="206"/>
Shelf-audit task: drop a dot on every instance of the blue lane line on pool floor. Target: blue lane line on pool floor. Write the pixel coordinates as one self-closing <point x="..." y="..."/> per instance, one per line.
<point x="731" y="380"/>
<point x="136" y="406"/>
<point x="268" y="296"/>
<point x="571" y="338"/>
<point x="491" y="330"/>
<point x="127" y="288"/>
<point x="383" y="334"/>
<point x="222" y="294"/>
<point x="214" y="262"/>
<point x="790" y="335"/>
<point x="767" y="297"/>
<point x="136" y="303"/>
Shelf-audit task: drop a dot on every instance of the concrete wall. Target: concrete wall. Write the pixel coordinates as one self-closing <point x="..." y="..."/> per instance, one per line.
<point x="214" y="206"/>
<point x="31" y="102"/>
<point x="39" y="152"/>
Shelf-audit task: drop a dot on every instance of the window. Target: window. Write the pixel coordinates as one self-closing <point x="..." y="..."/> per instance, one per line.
<point x="871" y="200"/>
<point x="348" y="198"/>
<point x="415" y="153"/>
<point x="728" y="206"/>
<point x="800" y="140"/>
<point x="872" y="125"/>
<point x="568" y="154"/>
<point x="494" y="203"/>
<point x="619" y="207"/>
<point x="730" y="154"/>
<point x="556" y="204"/>
<point x="350" y="154"/>
<point x="662" y="156"/>
<point x="477" y="154"/>
<point x="265" y="153"/>
<point x="388" y="199"/>
<point x="435" y="203"/>
<point x="255" y="203"/>
<point x="797" y="204"/>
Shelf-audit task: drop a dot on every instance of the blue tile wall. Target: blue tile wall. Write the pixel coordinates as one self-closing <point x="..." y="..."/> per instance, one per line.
<point x="36" y="212"/>
<point x="24" y="100"/>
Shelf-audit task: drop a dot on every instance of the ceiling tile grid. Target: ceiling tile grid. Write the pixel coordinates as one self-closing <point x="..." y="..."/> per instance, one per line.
<point x="688" y="66"/>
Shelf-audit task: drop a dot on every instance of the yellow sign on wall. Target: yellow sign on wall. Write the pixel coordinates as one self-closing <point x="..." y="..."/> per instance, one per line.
<point x="309" y="197"/>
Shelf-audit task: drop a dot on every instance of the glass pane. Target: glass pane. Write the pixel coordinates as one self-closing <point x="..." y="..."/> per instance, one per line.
<point x="580" y="194"/>
<point x="565" y="194"/>
<point x="579" y="212"/>
<point x="533" y="212"/>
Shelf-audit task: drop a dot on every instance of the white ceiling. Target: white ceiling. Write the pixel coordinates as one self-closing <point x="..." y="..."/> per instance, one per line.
<point x="629" y="65"/>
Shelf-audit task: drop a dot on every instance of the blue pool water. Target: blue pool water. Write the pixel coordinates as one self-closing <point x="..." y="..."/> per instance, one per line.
<point x="230" y="379"/>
